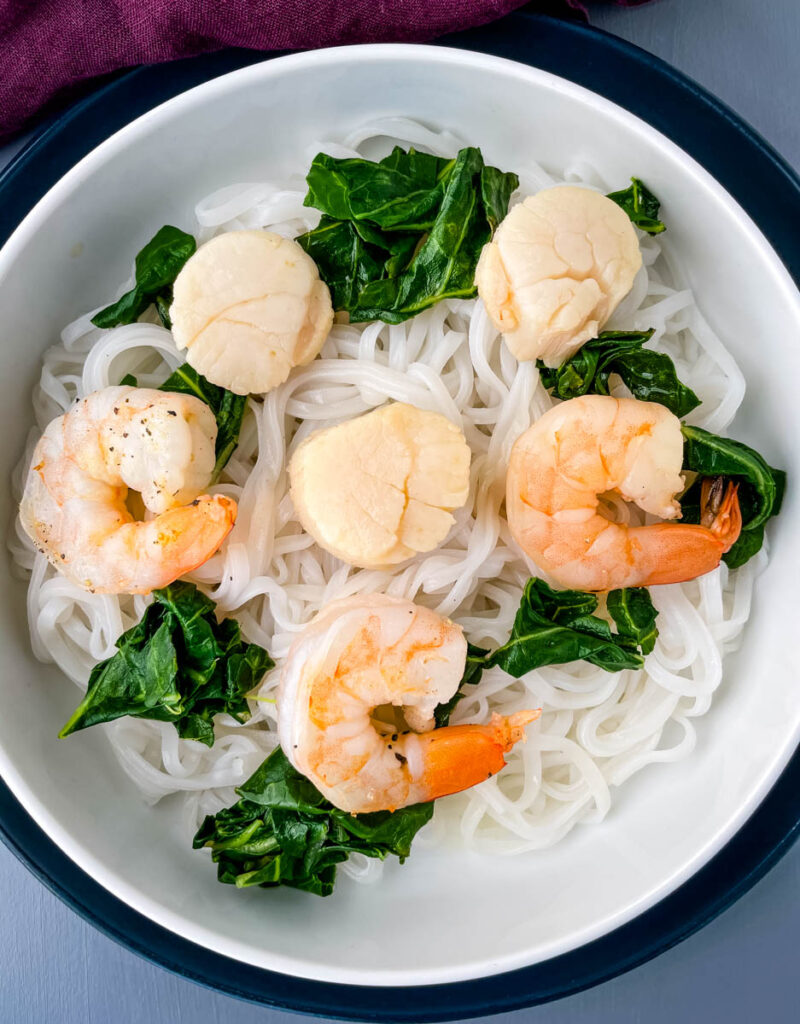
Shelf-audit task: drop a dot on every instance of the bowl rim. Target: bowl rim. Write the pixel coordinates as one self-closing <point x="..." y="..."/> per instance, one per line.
<point x="397" y="52"/>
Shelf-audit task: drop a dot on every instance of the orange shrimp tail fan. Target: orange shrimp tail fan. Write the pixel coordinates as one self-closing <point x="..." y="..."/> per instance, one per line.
<point x="460" y="756"/>
<point x="721" y="512"/>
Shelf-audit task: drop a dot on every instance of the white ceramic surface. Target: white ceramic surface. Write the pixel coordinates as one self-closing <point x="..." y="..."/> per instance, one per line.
<point x="441" y="917"/>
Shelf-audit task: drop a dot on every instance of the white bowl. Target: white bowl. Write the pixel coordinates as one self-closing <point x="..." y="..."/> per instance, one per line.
<point x="441" y="917"/>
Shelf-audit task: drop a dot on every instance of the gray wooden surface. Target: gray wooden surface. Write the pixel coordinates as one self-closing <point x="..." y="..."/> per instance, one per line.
<point x="54" y="969"/>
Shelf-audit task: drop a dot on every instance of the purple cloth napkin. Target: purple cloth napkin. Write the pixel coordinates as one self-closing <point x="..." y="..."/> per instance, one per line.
<point x="49" y="49"/>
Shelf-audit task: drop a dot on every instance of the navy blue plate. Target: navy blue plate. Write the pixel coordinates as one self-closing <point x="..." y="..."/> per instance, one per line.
<point x="770" y="192"/>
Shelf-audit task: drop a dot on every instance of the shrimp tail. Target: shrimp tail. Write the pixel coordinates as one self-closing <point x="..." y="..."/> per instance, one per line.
<point x="459" y="756"/>
<point x="683" y="551"/>
<point x="720" y="511"/>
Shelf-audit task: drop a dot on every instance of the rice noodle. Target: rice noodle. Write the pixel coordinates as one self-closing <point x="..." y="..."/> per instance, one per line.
<point x="597" y="729"/>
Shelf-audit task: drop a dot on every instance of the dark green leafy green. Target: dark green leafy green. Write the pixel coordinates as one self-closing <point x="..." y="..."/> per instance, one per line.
<point x="162" y="303"/>
<point x="641" y="206"/>
<point x="556" y="626"/>
<point x="444" y="265"/>
<point x="177" y="664"/>
<point x="346" y="261"/>
<point x="496" y="189"/>
<point x="156" y="267"/>
<point x="284" y="832"/>
<point x="473" y="670"/>
<point x="402" y="192"/>
<point x="634" y="615"/>
<point x="760" y="490"/>
<point x="650" y="376"/>
<point x="401" y="234"/>
<point x="227" y="407"/>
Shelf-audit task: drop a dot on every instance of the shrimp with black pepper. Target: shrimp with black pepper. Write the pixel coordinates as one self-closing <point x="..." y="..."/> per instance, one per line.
<point x="74" y="504"/>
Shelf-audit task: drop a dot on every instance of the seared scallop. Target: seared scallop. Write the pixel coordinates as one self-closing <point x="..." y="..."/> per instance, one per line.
<point x="249" y="306"/>
<point x="558" y="266"/>
<point x="376" y="490"/>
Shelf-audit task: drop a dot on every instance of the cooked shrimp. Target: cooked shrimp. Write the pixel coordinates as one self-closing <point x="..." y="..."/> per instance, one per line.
<point x="587" y="446"/>
<point x="73" y="508"/>
<point x="366" y="652"/>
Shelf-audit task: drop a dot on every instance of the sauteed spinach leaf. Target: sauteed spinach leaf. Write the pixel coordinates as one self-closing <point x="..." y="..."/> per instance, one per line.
<point x="556" y="626"/>
<point x="635" y="617"/>
<point x="649" y="376"/>
<point x="284" y="832"/>
<point x="156" y="267"/>
<point x="401" y="234"/>
<point x="401" y="192"/>
<point x="177" y="664"/>
<point x="760" y="491"/>
<point x="640" y="205"/>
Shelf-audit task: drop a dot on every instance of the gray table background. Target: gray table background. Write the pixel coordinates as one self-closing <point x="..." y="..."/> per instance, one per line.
<point x="743" y="967"/>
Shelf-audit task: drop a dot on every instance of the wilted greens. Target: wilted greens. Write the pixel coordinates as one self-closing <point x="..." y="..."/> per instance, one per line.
<point x="649" y="376"/>
<point x="760" y="486"/>
<point x="641" y="206"/>
<point x="634" y="616"/>
<point x="156" y="267"/>
<point x="177" y="664"/>
<point x="556" y="626"/>
<point x="284" y="832"/>
<point x="553" y="627"/>
<point x="401" y="234"/>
